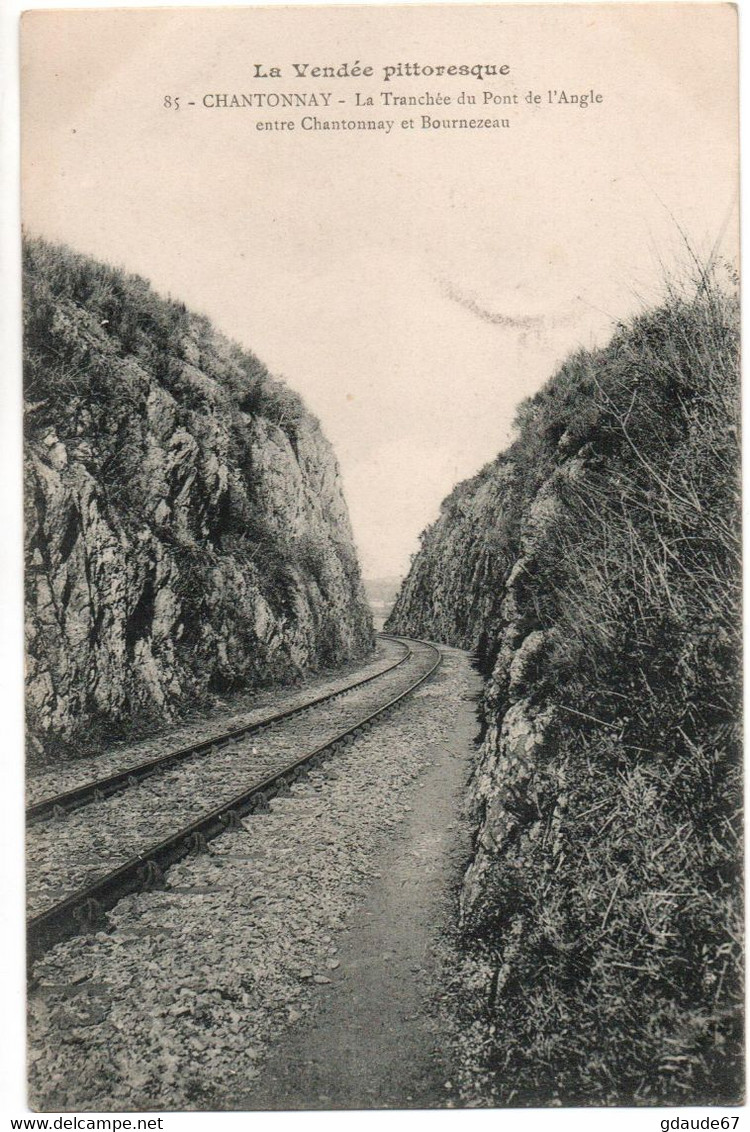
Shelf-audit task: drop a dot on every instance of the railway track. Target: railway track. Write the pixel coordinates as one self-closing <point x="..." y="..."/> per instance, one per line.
<point x="84" y="907"/>
<point x="57" y="805"/>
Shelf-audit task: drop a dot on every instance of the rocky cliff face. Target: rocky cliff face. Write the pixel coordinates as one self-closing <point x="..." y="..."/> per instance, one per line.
<point x="595" y="568"/>
<point x="454" y="588"/>
<point x="186" y="531"/>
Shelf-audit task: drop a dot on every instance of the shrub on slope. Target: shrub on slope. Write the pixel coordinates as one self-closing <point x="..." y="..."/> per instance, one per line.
<point x="603" y="899"/>
<point x="627" y="897"/>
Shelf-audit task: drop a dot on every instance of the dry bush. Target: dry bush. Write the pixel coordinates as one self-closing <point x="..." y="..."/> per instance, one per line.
<point x="626" y="986"/>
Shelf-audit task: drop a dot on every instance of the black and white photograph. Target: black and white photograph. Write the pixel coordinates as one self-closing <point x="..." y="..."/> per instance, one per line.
<point x="382" y="560"/>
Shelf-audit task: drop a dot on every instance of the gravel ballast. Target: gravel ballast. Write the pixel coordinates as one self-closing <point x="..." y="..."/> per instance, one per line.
<point x="244" y="709"/>
<point x="179" y="1003"/>
<point x="67" y="853"/>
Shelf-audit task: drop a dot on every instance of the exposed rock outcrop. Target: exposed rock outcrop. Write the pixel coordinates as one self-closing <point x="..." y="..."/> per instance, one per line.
<point x="185" y="524"/>
<point x="454" y="588"/>
<point x="594" y="567"/>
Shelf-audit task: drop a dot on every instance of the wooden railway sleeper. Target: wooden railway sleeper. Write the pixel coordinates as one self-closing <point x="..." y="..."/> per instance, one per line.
<point x="196" y="843"/>
<point x="231" y="820"/>
<point x="151" y="876"/>
<point x="90" y="916"/>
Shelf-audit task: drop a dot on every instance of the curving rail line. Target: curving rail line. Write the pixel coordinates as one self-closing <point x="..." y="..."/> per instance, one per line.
<point x="84" y="910"/>
<point x="97" y="790"/>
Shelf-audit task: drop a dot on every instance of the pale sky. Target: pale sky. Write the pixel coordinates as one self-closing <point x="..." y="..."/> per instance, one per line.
<point x="412" y="286"/>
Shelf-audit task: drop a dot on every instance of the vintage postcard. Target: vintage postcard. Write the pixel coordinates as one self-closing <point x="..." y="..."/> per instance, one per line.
<point x="382" y="559"/>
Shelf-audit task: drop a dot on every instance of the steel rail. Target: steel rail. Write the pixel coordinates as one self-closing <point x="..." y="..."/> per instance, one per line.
<point x="97" y="790"/>
<point x="84" y="910"/>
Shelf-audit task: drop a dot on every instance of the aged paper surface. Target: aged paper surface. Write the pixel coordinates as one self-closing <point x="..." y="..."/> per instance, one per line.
<point x="158" y="145"/>
<point x="410" y="214"/>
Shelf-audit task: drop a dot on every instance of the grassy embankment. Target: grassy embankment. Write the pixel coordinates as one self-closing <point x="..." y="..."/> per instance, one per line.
<point x="612" y="916"/>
